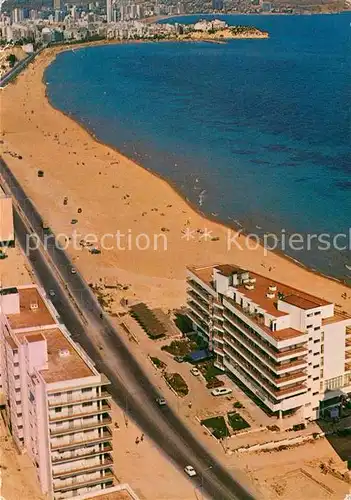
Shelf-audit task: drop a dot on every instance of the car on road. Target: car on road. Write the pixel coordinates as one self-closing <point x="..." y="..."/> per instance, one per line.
<point x="161" y="401"/>
<point x="194" y="371"/>
<point x="179" y="359"/>
<point x="189" y="469"/>
<point x="221" y="391"/>
<point x="52" y="293"/>
<point x="73" y="271"/>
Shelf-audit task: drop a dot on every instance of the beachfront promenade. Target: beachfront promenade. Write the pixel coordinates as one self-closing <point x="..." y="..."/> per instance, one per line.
<point x="131" y="387"/>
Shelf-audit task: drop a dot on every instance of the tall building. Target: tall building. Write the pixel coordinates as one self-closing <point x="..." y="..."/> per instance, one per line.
<point x="292" y="350"/>
<point x="17" y="15"/>
<point x="57" y="406"/>
<point x="109" y="11"/>
<point x="57" y="4"/>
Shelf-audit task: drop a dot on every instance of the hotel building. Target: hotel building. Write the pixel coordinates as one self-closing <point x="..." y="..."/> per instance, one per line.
<point x="57" y="406"/>
<point x="292" y="350"/>
<point x="7" y="234"/>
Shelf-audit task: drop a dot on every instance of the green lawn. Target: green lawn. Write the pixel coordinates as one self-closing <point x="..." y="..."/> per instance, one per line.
<point x="237" y="422"/>
<point x="217" y="426"/>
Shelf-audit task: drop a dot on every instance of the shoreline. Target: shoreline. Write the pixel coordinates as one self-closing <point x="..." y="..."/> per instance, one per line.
<point x="165" y="185"/>
<point x="173" y="185"/>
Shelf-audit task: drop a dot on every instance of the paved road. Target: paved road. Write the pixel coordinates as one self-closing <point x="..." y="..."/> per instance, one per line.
<point x="130" y="386"/>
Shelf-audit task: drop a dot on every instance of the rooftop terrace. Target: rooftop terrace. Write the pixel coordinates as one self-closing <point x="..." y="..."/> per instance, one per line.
<point x="33" y="311"/>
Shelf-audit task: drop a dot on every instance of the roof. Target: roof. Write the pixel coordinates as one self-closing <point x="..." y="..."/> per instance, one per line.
<point x="228" y="269"/>
<point x="301" y="302"/>
<point x="199" y="355"/>
<point x="27" y="317"/>
<point x="205" y="274"/>
<point x="59" y="368"/>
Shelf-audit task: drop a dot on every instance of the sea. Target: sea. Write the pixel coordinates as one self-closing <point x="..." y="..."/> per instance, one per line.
<point x="254" y="133"/>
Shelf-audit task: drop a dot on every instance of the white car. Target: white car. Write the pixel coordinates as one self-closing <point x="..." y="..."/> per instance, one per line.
<point x="194" y="371"/>
<point x="221" y="391"/>
<point x="73" y="271"/>
<point x="189" y="469"/>
<point x="52" y="293"/>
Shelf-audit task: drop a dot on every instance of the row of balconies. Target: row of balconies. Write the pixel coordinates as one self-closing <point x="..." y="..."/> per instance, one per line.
<point x="80" y="426"/>
<point x="81" y="453"/>
<point x="82" y="466"/>
<point x="89" y="480"/>
<point x="193" y="285"/>
<point x="198" y="321"/>
<point x="276" y="355"/>
<point x="277" y="393"/>
<point x="85" y="438"/>
<point x="76" y="399"/>
<point x="277" y="380"/>
<point x="79" y="412"/>
<point x="269" y="361"/>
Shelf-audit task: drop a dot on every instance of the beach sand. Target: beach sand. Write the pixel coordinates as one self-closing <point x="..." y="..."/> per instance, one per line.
<point x="115" y="194"/>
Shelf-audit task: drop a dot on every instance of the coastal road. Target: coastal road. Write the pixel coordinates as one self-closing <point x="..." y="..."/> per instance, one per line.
<point x="130" y="386"/>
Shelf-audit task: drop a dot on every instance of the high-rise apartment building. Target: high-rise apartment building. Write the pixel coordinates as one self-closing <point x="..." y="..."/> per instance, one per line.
<point x="57" y="406"/>
<point x="109" y="11"/>
<point x="292" y="350"/>
<point x="57" y="4"/>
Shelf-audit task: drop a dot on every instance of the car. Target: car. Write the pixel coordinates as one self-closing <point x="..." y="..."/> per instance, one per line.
<point x="179" y="359"/>
<point x="52" y="293"/>
<point x="194" y="371"/>
<point x="73" y="271"/>
<point x="189" y="469"/>
<point x="221" y="391"/>
<point x="161" y="401"/>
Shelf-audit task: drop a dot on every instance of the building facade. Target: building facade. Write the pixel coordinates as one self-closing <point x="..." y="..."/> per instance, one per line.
<point x="292" y="350"/>
<point x="57" y="406"/>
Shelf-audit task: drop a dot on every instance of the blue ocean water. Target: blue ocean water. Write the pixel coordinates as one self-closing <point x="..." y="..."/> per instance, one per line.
<point x="257" y="132"/>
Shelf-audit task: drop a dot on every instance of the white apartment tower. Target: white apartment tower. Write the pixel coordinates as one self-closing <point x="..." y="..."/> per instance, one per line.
<point x="109" y="10"/>
<point x="292" y="350"/>
<point x="57" y="406"/>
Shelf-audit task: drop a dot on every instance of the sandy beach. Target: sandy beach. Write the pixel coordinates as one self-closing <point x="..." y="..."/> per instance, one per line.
<point x="107" y="193"/>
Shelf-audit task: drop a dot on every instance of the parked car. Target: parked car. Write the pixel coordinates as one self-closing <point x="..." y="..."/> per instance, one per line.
<point x="194" y="371"/>
<point x="179" y="359"/>
<point x="161" y="401"/>
<point x="52" y="293"/>
<point x="189" y="469"/>
<point x="73" y="271"/>
<point x="221" y="391"/>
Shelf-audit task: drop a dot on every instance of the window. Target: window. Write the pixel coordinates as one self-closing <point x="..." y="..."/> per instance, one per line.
<point x="87" y="404"/>
<point x="316" y="341"/>
<point x="316" y="353"/>
<point x="315" y="366"/>
<point x="317" y="328"/>
<point x="309" y="315"/>
<point x="317" y="313"/>
<point x="86" y="389"/>
<point x="58" y="410"/>
<point x="309" y="326"/>
<point x="315" y="378"/>
<point x="315" y="393"/>
<point x="310" y="339"/>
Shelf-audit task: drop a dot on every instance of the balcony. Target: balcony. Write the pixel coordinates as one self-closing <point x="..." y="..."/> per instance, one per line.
<point x="348" y="331"/>
<point x="56" y="402"/>
<point x="347" y="355"/>
<point x="193" y="286"/>
<point x="106" y="436"/>
<point x="74" y="429"/>
<point x="200" y="303"/>
<point x="107" y="463"/>
<point x="276" y="380"/>
<point x="232" y="335"/>
<point x="259" y="341"/>
<point x="197" y="320"/>
<point x="103" y="409"/>
<point x="254" y="374"/>
<point x="73" y="458"/>
<point x="348" y="366"/>
<point x="75" y="486"/>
